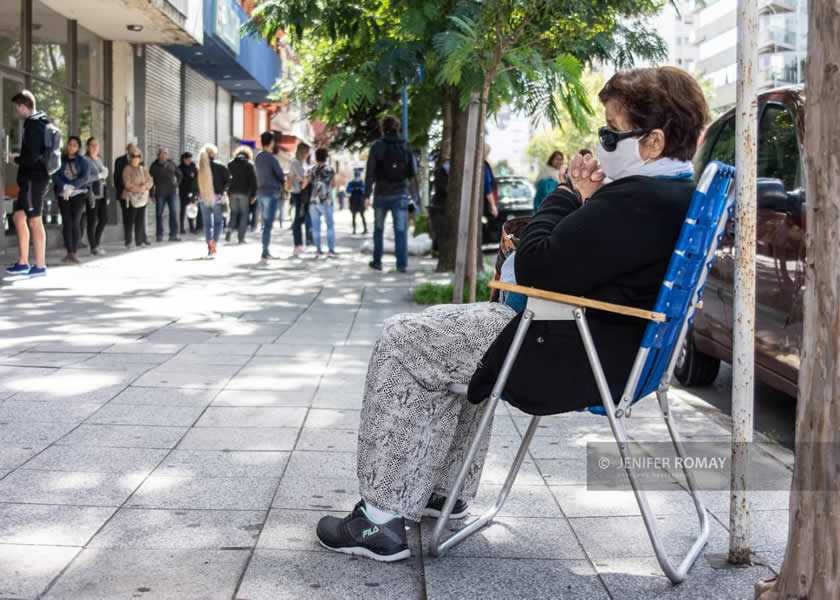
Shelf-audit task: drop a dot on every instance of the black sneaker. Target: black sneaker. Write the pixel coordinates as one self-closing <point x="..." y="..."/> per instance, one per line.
<point x="435" y="506"/>
<point x="356" y="534"/>
<point x="376" y="266"/>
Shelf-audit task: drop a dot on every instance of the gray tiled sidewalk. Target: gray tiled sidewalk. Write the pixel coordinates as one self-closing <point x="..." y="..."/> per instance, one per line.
<point x="173" y="428"/>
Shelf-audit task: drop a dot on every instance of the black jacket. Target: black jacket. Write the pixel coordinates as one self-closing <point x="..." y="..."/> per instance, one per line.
<point x="614" y="248"/>
<point x="221" y="177"/>
<point x="189" y="179"/>
<point x="167" y="177"/>
<point x="119" y="165"/>
<point x="379" y="153"/>
<point x="31" y="159"/>
<point x="243" y="176"/>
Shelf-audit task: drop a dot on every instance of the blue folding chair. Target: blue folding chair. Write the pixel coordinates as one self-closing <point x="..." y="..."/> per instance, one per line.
<point x="710" y="208"/>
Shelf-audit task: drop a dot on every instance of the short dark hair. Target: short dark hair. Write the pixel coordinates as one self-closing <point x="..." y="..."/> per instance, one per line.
<point x="665" y="98"/>
<point x="585" y="152"/>
<point x="266" y="138"/>
<point x="186" y="155"/>
<point x="321" y="154"/>
<point x="553" y="155"/>
<point x="75" y="138"/>
<point x="390" y="125"/>
<point x="26" y="98"/>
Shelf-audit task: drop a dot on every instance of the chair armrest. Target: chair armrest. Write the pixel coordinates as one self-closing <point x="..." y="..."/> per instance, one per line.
<point x="580" y="301"/>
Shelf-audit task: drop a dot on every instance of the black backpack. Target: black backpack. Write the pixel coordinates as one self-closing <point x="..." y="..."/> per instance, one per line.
<point x="397" y="163"/>
<point x="356" y="189"/>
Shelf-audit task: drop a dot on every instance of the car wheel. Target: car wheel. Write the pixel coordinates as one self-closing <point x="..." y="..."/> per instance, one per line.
<point x="693" y="367"/>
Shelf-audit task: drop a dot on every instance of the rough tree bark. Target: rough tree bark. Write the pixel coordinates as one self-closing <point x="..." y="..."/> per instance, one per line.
<point x="811" y="567"/>
<point x="448" y="242"/>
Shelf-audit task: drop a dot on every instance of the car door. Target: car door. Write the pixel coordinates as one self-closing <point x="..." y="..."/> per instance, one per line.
<point x="713" y="324"/>
<point x="780" y="243"/>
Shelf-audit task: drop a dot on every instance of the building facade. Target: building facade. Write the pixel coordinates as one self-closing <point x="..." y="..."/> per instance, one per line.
<point x="782" y="45"/>
<point x="168" y="74"/>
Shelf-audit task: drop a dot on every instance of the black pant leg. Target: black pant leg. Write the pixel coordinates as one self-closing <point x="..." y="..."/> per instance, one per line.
<point x="77" y="205"/>
<point x="128" y="221"/>
<point x="66" y="224"/>
<point x="101" y="212"/>
<point x="140" y="225"/>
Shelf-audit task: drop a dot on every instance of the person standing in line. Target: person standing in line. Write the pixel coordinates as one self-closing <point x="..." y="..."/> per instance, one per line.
<point x="213" y="182"/>
<point x="390" y="165"/>
<point x="284" y="165"/>
<point x="270" y="180"/>
<point x="549" y="177"/>
<point x="32" y="180"/>
<point x="321" y="202"/>
<point x="187" y="189"/>
<point x="136" y="185"/>
<point x="243" y="191"/>
<point x="356" y="193"/>
<point x="167" y="177"/>
<point x="97" y="211"/>
<point x="299" y="183"/>
<point x="119" y="165"/>
<point x="71" y="191"/>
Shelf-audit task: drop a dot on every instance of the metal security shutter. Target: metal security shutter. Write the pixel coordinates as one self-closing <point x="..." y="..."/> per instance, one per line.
<point x="163" y="104"/>
<point x="224" y="126"/>
<point x="200" y="112"/>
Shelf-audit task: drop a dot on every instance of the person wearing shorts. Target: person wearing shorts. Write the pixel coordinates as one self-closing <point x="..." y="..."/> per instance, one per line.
<point x="32" y="180"/>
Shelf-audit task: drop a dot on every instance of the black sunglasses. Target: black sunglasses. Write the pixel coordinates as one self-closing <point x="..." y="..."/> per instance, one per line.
<point x="610" y="137"/>
<point x="135" y="156"/>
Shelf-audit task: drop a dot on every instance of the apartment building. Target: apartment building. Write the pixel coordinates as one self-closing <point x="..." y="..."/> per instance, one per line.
<point x="782" y="44"/>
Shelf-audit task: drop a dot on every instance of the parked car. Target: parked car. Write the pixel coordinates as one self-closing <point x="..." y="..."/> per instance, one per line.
<point x="780" y="251"/>
<point x="516" y="199"/>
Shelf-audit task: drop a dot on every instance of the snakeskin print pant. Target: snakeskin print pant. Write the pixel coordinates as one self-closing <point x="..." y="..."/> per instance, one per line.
<point x="414" y="433"/>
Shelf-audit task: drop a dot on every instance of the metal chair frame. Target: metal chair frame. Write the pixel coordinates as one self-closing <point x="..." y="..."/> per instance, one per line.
<point x="549" y="306"/>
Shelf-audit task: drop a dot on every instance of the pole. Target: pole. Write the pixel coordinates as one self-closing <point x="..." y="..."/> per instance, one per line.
<point x="466" y="202"/>
<point x="798" y="41"/>
<point x="405" y="111"/>
<point x="743" y="349"/>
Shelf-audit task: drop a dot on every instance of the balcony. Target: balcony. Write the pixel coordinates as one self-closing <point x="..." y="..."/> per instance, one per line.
<point x="776" y="6"/>
<point x="773" y="78"/>
<point x="774" y="40"/>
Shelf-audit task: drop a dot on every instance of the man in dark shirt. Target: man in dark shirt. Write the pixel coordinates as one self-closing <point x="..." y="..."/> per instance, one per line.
<point x="390" y="165"/>
<point x="270" y="179"/>
<point x="167" y="177"/>
<point x="32" y="181"/>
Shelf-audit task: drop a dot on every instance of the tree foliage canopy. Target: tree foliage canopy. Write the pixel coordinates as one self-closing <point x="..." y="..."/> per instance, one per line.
<point x="354" y="57"/>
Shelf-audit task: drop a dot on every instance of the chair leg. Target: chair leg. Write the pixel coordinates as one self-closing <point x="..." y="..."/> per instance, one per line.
<point x="678" y="573"/>
<point x="437" y="547"/>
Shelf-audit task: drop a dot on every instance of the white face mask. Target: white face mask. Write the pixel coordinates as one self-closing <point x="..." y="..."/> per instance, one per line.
<point x="624" y="161"/>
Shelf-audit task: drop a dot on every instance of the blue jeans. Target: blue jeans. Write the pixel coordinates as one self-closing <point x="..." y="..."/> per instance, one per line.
<point x="211" y="216"/>
<point x="170" y="200"/>
<point x="398" y="205"/>
<point x="268" y="208"/>
<point x="315" y="212"/>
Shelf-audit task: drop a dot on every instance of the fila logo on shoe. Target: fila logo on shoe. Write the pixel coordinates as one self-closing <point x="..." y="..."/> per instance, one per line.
<point x="369" y="532"/>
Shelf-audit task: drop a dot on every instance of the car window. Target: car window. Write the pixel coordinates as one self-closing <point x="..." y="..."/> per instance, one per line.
<point x="778" y="148"/>
<point x="514" y="189"/>
<point x="724" y="148"/>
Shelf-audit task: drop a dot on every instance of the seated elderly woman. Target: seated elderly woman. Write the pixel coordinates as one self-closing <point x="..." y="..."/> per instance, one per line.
<point x="608" y="241"/>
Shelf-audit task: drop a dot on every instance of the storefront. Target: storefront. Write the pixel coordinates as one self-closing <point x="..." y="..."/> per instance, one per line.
<point x="67" y="68"/>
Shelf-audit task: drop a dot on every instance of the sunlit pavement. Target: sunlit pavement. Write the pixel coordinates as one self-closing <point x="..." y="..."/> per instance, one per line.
<point x="173" y="427"/>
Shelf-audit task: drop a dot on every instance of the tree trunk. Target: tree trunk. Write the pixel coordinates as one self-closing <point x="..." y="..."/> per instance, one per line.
<point x="474" y="258"/>
<point x="446" y="135"/>
<point x="812" y="555"/>
<point x="448" y="242"/>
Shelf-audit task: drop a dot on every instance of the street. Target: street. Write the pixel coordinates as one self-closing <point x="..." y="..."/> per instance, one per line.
<point x="173" y="427"/>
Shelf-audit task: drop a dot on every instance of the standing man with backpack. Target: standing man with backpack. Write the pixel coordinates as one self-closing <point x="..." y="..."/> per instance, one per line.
<point x="270" y="180"/>
<point x="39" y="158"/>
<point x="320" y="204"/>
<point x="389" y="167"/>
<point x="356" y="192"/>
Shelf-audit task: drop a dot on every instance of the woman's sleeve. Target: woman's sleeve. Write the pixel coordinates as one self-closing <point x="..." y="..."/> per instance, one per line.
<point x="573" y="249"/>
<point x="58" y="177"/>
<point x="82" y="176"/>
